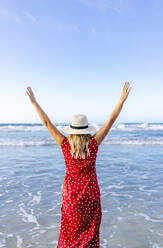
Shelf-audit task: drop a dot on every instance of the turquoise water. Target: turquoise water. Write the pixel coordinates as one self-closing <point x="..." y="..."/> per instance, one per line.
<point x="129" y="169"/>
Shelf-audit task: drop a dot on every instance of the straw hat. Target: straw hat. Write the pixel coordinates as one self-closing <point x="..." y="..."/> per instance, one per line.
<point x="79" y="125"/>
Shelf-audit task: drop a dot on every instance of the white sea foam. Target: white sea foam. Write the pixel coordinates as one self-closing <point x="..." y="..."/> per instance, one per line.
<point x="132" y="141"/>
<point x="115" y="186"/>
<point x="53" y="242"/>
<point x="108" y="141"/>
<point x="138" y="127"/>
<point x="36" y="198"/>
<point x="28" y="217"/>
<point x="120" y="126"/>
<point x="154" y="245"/>
<point x="19" y="241"/>
<point x="148" y="218"/>
<point x="104" y="243"/>
<point x="116" y="126"/>
<point x="8" y="201"/>
<point x="51" y="227"/>
<point x="14" y="142"/>
<point x="3" y="178"/>
<point x="12" y="128"/>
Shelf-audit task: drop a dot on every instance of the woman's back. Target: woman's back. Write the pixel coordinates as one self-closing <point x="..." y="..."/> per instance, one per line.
<point x="81" y="205"/>
<point x="79" y="165"/>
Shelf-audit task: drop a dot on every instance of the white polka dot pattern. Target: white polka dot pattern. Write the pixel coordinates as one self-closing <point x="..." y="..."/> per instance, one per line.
<point x="81" y="211"/>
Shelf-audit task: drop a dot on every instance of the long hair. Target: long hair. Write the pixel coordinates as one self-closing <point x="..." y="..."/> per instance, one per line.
<point x="79" y="144"/>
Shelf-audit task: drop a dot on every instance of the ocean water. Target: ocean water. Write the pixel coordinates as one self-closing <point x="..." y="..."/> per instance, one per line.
<point x="129" y="169"/>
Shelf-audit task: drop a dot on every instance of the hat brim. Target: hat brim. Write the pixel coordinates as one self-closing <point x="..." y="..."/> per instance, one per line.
<point x="69" y="130"/>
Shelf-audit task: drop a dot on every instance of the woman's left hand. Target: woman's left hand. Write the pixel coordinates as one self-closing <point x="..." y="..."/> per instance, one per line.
<point x="31" y="94"/>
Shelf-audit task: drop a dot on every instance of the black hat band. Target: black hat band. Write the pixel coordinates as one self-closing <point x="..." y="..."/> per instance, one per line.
<point x="78" y="127"/>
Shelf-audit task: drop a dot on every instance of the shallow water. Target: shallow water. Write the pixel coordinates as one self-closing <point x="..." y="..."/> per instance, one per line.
<point x="130" y="177"/>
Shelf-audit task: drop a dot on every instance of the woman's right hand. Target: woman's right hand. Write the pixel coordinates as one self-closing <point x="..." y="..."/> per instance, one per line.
<point x="30" y="94"/>
<point x="125" y="91"/>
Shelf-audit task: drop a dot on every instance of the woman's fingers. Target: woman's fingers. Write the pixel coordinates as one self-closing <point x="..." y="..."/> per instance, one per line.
<point x="126" y="89"/>
<point x="30" y="94"/>
<point x="127" y="85"/>
<point x="29" y="90"/>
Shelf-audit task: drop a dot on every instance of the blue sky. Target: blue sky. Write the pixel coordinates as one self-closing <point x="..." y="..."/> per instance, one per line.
<point x="76" y="56"/>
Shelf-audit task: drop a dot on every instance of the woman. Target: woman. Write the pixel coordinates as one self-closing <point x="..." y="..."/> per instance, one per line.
<point x="81" y="202"/>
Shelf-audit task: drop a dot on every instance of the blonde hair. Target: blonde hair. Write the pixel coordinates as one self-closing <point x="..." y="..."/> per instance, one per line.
<point x="79" y="143"/>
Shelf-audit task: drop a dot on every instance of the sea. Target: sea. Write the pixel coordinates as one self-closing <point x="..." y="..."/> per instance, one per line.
<point x="129" y="169"/>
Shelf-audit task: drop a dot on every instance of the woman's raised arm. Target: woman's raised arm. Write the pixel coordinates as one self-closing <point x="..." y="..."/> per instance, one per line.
<point x="102" y="132"/>
<point x="57" y="135"/>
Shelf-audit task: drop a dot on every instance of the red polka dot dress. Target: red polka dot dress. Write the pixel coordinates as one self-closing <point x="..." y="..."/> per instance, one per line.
<point x="81" y="210"/>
